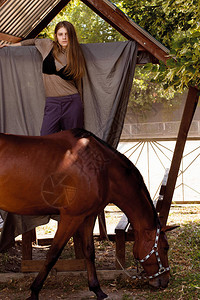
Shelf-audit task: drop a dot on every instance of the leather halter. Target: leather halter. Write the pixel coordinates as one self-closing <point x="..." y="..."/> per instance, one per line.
<point x="161" y="269"/>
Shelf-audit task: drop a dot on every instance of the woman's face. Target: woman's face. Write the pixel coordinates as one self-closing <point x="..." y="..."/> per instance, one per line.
<point x="62" y="37"/>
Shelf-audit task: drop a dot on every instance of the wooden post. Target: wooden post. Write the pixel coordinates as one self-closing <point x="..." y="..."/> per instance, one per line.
<point x="189" y="110"/>
<point x="120" y="240"/>
<point x="27" y="239"/>
<point x="102" y="226"/>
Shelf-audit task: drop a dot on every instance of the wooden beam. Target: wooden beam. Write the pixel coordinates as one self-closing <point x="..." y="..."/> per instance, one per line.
<point x="117" y="19"/>
<point x="46" y="20"/>
<point x="9" y="38"/>
<point x="189" y="110"/>
<point x="62" y="265"/>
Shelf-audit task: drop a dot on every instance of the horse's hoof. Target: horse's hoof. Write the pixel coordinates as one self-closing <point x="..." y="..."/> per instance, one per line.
<point x="33" y="298"/>
<point x="102" y="296"/>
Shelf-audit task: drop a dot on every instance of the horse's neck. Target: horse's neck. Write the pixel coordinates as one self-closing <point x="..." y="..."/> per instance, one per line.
<point x="128" y="191"/>
<point x="133" y="199"/>
<point x="141" y="216"/>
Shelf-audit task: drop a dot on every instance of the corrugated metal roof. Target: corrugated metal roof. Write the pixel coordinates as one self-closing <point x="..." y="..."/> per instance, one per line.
<point x="20" y="17"/>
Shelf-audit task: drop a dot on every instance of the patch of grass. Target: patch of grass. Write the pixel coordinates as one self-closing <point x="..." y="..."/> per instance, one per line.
<point x="184" y="259"/>
<point x="68" y="252"/>
<point x="3" y="285"/>
<point x="102" y="245"/>
<point x="127" y="297"/>
<point x="4" y="259"/>
<point x="130" y="260"/>
<point x="65" y="283"/>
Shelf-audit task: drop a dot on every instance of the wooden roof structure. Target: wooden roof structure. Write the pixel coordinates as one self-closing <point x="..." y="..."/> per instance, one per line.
<point x="22" y="19"/>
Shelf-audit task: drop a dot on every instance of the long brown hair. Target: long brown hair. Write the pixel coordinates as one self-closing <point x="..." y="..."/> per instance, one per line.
<point x="75" y="59"/>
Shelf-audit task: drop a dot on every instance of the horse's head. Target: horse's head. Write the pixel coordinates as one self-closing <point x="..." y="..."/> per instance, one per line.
<point x="150" y="249"/>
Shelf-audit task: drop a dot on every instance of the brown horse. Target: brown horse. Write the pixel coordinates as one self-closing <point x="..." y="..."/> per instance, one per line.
<point x="75" y="174"/>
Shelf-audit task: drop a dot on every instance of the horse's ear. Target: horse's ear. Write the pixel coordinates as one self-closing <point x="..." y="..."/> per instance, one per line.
<point x="169" y="228"/>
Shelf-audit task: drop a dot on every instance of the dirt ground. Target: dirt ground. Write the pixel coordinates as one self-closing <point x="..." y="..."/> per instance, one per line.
<point x="61" y="287"/>
<point x="15" y="286"/>
<point x="73" y="285"/>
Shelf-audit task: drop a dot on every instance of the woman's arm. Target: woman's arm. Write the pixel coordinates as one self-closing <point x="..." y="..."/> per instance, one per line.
<point x="29" y="42"/>
<point x="10" y="45"/>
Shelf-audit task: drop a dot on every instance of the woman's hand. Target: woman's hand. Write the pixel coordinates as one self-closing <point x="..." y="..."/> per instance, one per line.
<point x="4" y="45"/>
<point x="11" y="45"/>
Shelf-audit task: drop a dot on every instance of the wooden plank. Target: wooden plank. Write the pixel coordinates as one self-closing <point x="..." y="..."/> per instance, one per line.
<point x="9" y="38"/>
<point x="188" y="113"/>
<point x="47" y="241"/>
<point x="123" y="233"/>
<point x="27" y="239"/>
<point x="120" y="247"/>
<point x="120" y="242"/>
<point x="62" y="265"/>
<point x="123" y="223"/>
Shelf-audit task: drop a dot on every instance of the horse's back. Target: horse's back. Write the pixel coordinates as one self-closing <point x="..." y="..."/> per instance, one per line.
<point x="40" y="175"/>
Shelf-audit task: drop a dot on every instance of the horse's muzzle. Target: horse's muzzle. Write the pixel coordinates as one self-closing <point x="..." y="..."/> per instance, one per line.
<point x="159" y="282"/>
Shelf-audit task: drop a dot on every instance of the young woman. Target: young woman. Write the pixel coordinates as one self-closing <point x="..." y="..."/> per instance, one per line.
<point x="63" y="68"/>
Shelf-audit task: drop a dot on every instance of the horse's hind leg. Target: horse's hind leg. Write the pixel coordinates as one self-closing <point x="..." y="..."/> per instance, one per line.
<point x="66" y="228"/>
<point x="86" y="232"/>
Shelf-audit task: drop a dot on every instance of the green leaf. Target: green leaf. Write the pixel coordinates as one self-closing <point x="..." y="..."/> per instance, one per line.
<point x="191" y="69"/>
<point x="148" y="67"/>
<point x="171" y="63"/>
<point x="196" y="34"/>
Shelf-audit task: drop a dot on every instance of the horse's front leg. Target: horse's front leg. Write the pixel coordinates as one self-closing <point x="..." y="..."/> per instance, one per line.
<point x="86" y="232"/>
<point x="66" y="228"/>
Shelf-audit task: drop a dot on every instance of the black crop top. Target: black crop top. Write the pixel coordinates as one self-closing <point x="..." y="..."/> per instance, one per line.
<point x="49" y="67"/>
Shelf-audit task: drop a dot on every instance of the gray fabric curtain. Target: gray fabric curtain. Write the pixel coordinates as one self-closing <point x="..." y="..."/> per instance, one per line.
<point x="22" y="96"/>
<point x="106" y="88"/>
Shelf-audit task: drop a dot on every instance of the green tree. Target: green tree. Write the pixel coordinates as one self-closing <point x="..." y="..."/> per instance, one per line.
<point x="89" y="26"/>
<point x="145" y="92"/>
<point x="175" y="23"/>
<point x="162" y="18"/>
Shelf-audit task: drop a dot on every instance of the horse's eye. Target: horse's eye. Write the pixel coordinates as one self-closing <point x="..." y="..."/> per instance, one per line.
<point x="166" y="248"/>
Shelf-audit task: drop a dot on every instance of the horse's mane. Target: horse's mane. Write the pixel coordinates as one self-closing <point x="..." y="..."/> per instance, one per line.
<point x="82" y="133"/>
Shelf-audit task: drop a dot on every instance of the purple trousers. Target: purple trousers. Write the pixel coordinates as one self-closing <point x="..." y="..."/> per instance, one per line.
<point x="62" y="113"/>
